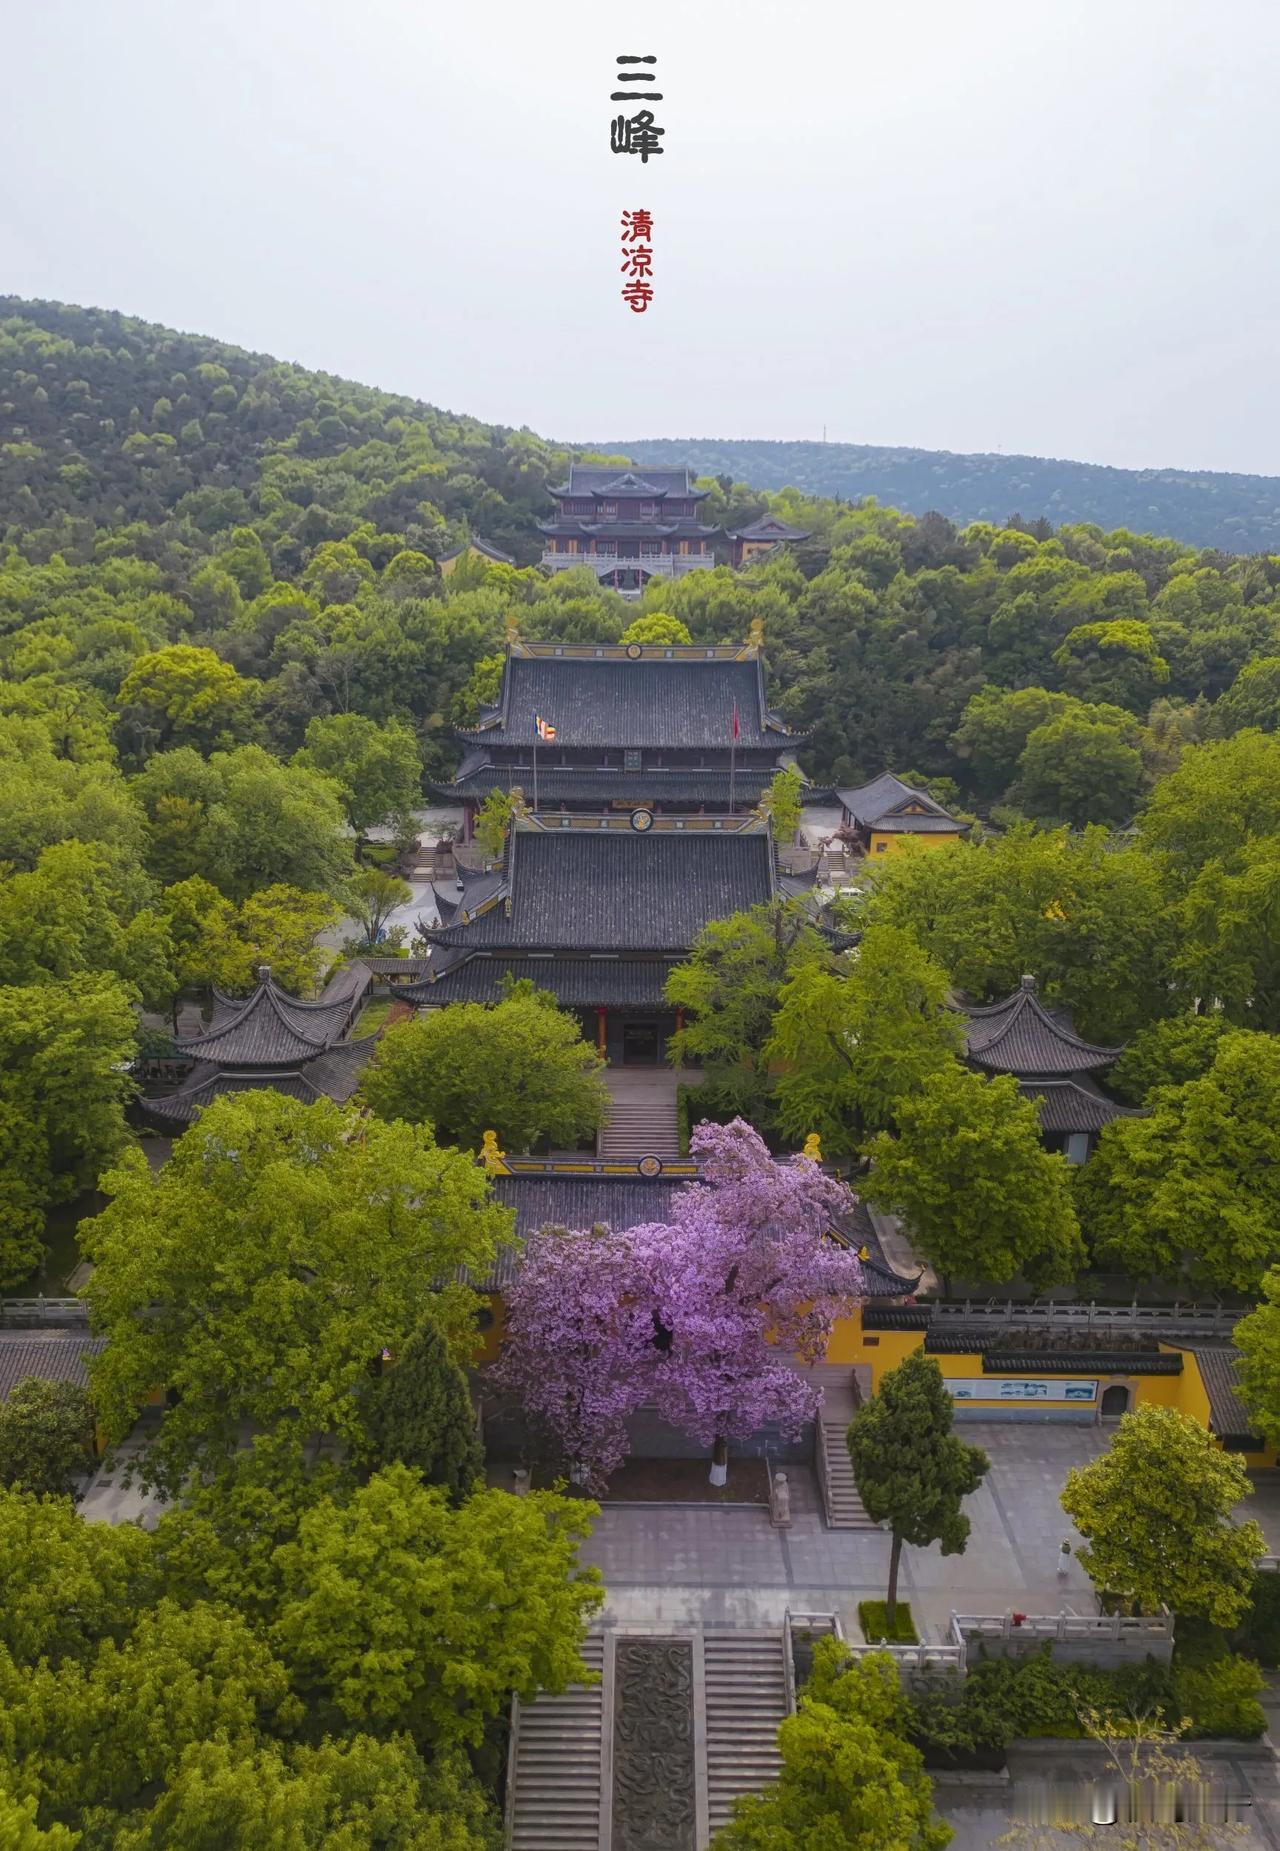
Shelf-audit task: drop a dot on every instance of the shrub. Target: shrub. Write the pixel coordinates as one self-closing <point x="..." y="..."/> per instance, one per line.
<point x="1219" y="1696"/>
<point x="874" y="1621"/>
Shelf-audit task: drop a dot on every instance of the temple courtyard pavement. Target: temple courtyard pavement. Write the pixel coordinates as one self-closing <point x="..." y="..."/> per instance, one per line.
<point x="690" y="1565"/>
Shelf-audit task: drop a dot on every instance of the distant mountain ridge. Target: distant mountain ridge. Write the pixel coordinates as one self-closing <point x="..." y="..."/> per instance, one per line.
<point x="1238" y="513"/>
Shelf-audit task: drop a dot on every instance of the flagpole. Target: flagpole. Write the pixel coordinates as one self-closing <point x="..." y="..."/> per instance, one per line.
<point x="535" y="768"/>
<point x="733" y="759"/>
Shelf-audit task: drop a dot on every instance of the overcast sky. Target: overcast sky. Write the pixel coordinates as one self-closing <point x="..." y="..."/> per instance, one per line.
<point x="1002" y="225"/>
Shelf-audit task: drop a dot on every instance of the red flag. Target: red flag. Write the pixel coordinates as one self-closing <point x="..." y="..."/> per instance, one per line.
<point x="736" y="728"/>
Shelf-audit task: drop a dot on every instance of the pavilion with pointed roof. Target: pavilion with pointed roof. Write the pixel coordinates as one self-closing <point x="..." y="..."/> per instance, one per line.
<point x="1053" y="1066"/>
<point x="271" y="1039"/>
<point x="628" y="525"/>
<point x="637" y="724"/>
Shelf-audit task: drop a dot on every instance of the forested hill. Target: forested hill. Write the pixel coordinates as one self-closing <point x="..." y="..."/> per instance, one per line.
<point x="1237" y="513"/>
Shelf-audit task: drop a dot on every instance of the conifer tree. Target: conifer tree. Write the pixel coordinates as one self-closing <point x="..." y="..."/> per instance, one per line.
<point x="420" y="1413"/>
<point x="912" y="1471"/>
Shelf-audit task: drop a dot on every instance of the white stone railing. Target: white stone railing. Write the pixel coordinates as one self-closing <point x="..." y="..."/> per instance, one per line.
<point x="1097" y="1628"/>
<point x="914" y="1657"/>
<point x="29" y="1311"/>
<point x="658" y="565"/>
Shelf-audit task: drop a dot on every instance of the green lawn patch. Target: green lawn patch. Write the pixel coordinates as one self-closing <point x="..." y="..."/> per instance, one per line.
<point x="371" y="1018"/>
<point x="875" y="1625"/>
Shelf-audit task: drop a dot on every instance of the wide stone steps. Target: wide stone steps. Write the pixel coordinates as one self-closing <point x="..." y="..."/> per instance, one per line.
<point x="641" y="1127"/>
<point x="554" y="1803"/>
<point x="845" y="1509"/>
<point x="745" y="1694"/>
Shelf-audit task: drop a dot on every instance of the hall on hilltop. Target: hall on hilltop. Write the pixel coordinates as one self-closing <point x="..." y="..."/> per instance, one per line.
<point x="636" y="725"/>
<point x="628" y="526"/>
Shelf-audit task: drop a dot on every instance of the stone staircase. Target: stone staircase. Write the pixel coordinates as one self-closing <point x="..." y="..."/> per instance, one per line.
<point x="560" y="1772"/>
<point x="554" y="1774"/>
<point x="745" y="1685"/>
<point x="844" y="1508"/>
<point x="841" y="1396"/>
<point x="643" y="1120"/>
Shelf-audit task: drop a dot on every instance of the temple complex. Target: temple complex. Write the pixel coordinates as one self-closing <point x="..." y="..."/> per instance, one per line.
<point x="1051" y="1063"/>
<point x="635" y="725"/>
<point x="270" y="1039"/>
<point x="598" y="910"/>
<point x="628" y="527"/>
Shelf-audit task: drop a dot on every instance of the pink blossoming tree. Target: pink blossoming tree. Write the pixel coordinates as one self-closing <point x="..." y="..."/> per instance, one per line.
<point x="699" y="1316"/>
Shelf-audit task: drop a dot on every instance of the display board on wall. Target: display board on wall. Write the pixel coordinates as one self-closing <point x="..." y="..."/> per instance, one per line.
<point x="1016" y="1388"/>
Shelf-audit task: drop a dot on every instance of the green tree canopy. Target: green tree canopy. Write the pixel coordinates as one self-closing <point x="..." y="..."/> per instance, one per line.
<point x="65" y="1049"/>
<point x="1193" y="1189"/>
<point x="377" y="768"/>
<point x="419" y="1412"/>
<point x="1222" y="796"/>
<point x="1258" y="1337"/>
<point x="995" y="727"/>
<point x="184" y="695"/>
<point x="355" y="1792"/>
<point x="656" y="627"/>
<point x="262" y="1270"/>
<point x="493" y="820"/>
<point x="402" y="1613"/>
<point x="1080" y="770"/>
<point x="912" y="1471"/>
<point x="244" y="821"/>
<point x="1252" y="700"/>
<point x="76" y="913"/>
<point x="728" y="988"/>
<point x="980" y="1195"/>
<point x="1155" y="1513"/>
<point x="783" y="802"/>
<point x="1088" y="916"/>
<point x="46" y="1431"/>
<point x="371" y="897"/>
<point x="853" y="1045"/>
<point x="850" y="1780"/>
<point x="1167" y="1053"/>
<point x="518" y="1067"/>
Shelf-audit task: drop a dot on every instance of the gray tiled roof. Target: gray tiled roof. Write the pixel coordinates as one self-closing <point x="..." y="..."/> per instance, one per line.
<point x="1219" y="1367"/>
<point x="615" y="890"/>
<point x="577" y="983"/>
<point x="654" y="704"/>
<point x="622" y="1202"/>
<point x="583" y="785"/>
<point x="769" y="527"/>
<point x="489" y="550"/>
<point x="588" y="478"/>
<point x="335" y="1074"/>
<point x="1072" y="1105"/>
<point x="272" y="1028"/>
<point x="869" y="803"/>
<point x="53" y="1355"/>
<point x="1019" y="1035"/>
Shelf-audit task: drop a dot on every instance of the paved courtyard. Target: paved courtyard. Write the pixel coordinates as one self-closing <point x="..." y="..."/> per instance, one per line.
<point x="666" y="1565"/>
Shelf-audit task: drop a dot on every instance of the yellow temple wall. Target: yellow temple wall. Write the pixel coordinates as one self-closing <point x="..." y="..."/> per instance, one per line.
<point x="888" y="842"/>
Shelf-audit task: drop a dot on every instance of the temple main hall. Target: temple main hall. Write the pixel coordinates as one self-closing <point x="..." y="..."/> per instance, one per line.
<point x="636" y="725"/>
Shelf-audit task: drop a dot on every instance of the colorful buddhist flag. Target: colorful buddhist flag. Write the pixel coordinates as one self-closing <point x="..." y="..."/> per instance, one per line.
<point x="736" y="728"/>
<point x="545" y="729"/>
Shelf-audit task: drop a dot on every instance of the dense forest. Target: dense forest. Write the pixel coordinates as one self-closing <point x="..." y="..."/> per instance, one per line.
<point x="1238" y="513"/>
